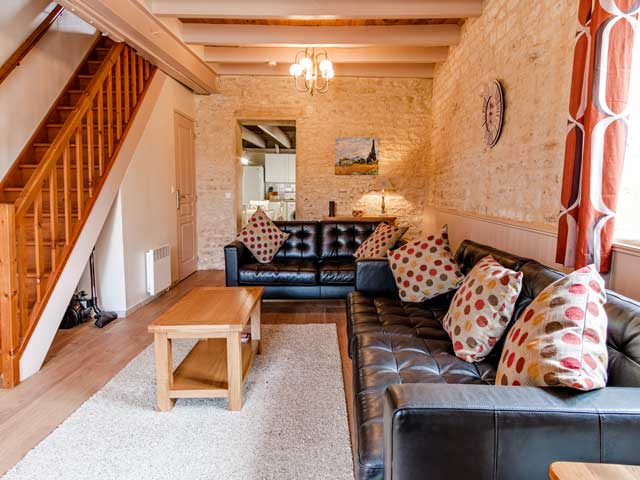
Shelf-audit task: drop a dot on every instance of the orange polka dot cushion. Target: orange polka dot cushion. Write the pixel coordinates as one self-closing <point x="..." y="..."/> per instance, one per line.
<point x="481" y="309"/>
<point x="262" y="237"/>
<point x="383" y="238"/>
<point x="560" y="338"/>
<point x="425" y="269"/>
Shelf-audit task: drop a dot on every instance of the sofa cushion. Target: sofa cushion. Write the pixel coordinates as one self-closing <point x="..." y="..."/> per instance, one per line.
<point x="261" y="236"/>
<point x="425" y="268"/>
<point x="302" y="242"/>
<point x="380" y="242"/>
<point x="279" y="271"/>
<point x="338" y="271"/>
<point x="342" y="239"/>
<point x="381" y="360"/>
<point x="559" y="340"/>
<point x="481" y="309"/>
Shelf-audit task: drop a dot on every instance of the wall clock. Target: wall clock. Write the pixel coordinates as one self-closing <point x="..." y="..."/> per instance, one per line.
<point x="493" y="112"/>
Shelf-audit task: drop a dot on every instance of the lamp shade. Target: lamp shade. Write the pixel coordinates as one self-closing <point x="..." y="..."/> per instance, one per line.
<point x="383" y="183"/>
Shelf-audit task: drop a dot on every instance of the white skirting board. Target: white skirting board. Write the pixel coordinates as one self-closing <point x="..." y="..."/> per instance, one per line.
<point x="529" y="242"/>
<point x="40" y="342"/>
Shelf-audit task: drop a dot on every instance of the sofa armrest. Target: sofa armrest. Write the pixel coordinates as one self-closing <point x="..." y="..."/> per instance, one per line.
<point x="374" y="277"/>
<point x="235" y="254"/>
<point x="435" y="431"/>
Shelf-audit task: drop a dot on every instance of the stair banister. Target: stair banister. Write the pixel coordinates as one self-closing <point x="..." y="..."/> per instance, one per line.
<point x="20" y="311"/>
<point x="26" y="198"/>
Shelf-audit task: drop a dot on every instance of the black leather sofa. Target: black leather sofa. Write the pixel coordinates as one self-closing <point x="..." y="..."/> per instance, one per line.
<point x="316" y="261"/>
<point x="422" y="413"/>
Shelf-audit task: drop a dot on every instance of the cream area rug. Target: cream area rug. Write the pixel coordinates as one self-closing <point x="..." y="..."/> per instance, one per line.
<point x="293" y="424"/>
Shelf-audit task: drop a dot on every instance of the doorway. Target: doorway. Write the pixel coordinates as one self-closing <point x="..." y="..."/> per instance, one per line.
<point x="186" y="195"/>
<point x="269" y="168"/>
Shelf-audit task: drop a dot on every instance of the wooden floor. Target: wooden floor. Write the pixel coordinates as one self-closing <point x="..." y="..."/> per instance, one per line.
<point x="82" y="360"/>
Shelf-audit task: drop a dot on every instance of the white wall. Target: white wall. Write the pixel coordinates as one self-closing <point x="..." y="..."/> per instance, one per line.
<point x="30" y="90"/>
<point x="144" y="215"/>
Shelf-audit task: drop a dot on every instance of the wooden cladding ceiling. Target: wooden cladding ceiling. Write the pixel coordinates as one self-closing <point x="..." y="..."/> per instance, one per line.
<point x="378" y="22"/>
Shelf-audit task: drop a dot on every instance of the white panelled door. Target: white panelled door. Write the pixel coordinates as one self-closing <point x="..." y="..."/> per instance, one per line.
<point x="186" y="195"/>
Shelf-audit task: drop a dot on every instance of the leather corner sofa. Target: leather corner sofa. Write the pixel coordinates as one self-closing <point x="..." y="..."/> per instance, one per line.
<point x="422" y="413"/>
<point x="316" y="261"/>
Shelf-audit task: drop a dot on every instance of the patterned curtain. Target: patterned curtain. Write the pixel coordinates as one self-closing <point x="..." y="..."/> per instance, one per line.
<point x="597" y="131"/>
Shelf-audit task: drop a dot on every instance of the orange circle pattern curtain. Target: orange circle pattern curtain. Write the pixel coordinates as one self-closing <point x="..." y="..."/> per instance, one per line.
<point x="597" y="131"/>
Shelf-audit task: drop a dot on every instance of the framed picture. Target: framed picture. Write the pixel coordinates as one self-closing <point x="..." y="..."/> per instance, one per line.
<point x="356" y="156"/>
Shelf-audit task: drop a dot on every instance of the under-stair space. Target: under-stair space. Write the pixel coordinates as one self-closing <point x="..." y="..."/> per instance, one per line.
<point x="47" y="195"/>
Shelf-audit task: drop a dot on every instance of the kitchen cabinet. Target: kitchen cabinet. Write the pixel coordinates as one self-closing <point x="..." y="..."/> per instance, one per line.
<point x="280" y="168"/>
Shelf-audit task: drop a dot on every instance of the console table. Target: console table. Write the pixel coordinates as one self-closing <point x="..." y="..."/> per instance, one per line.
<point x="391" y="220"/>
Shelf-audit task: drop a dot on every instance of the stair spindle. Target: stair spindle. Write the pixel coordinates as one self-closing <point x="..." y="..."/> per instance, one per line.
<point x="100" y="131"/>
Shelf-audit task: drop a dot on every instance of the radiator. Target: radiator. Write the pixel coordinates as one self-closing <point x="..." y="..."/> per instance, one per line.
<point x="158" y="269"/>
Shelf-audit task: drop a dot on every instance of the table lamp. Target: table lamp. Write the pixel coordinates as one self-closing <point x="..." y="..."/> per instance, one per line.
<point x="383" y="185"/>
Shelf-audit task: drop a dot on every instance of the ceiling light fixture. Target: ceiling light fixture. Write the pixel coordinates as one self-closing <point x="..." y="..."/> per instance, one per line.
<point x="312" y="71"/>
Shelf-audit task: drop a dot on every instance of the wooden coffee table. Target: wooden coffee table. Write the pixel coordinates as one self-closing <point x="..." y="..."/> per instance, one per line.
<point x="592" y="471"/>
<point x="218" y="364"/>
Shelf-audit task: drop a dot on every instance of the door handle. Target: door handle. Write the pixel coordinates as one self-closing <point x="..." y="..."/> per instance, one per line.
<point x="177" y="199"/>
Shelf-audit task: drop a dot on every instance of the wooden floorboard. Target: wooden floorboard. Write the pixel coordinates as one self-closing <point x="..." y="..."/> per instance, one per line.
<point x="82" y="360"/>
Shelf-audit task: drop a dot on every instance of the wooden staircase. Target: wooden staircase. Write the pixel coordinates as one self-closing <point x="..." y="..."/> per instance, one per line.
<point x="47" y="195"/>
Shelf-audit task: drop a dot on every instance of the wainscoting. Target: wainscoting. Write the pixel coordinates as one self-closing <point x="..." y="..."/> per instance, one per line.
<point x="533" y="242"/>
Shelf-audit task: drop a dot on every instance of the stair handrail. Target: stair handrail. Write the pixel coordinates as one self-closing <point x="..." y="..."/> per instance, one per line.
<point x="25" y="47"/>
<point x="48" y="162"/>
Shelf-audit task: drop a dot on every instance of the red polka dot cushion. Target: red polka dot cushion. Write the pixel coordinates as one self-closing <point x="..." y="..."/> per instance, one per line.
<point x="425" y="269"/>
<point x="481" y="309"/>
<point x="560" y="338"/>
<point x="383" y="238"/>
<point x="261" y="236"/>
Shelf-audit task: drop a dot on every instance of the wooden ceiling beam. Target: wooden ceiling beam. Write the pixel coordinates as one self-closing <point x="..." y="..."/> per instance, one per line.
<point x="273" y="36"/>
<point x="277" y="134"/>
<point x="390" y="70"/>
<point x="336" y="55"/>
<point x="252" y="137"/>
<point x="318" y="9"/>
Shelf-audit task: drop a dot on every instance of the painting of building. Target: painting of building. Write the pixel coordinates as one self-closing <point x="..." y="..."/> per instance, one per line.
<point x="356" y="156"/>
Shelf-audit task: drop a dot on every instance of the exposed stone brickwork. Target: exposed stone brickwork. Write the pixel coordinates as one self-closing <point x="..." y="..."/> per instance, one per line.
<point x="397" y="111"/>
<point x="527" y="45"/>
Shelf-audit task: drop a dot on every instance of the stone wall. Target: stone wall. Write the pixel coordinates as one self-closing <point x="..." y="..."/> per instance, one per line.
<point x="396" y="111"/>
<point x="528" y="47"/>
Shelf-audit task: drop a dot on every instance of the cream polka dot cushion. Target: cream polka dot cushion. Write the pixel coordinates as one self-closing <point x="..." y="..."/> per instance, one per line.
<point x="380" y="241"/>
<point x="425" y="269"/>
<point x="261" y="236"/>
<point x="560" y="338"/>
<point x="481" y="309"/>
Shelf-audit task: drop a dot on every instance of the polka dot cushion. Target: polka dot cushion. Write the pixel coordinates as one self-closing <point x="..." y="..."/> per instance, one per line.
<point x="481" y="309"/>
<point x="425" y="269"/>
<point x="560" y="338"/>
<point x="261" y="236"/>
<point x="380" y="241"/>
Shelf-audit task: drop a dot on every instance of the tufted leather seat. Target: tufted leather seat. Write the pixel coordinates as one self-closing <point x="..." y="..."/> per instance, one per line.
<point x="338" y="271"/>
<point x="280" y="271"/>
<point x="401" y="354"/>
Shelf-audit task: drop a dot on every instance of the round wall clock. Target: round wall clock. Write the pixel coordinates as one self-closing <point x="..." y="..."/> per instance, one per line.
<point x="493" y="112"/>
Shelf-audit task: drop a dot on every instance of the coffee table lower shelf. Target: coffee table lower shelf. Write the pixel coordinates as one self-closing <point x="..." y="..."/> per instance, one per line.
<point x="203" y="373"/>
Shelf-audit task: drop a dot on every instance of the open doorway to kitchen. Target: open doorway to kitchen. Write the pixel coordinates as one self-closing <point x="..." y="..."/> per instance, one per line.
<point x="269" y="168"/>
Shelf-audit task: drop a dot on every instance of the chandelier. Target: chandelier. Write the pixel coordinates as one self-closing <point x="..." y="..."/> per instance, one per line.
<point x="312" y="71"/>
